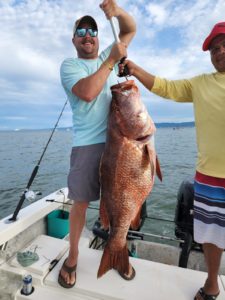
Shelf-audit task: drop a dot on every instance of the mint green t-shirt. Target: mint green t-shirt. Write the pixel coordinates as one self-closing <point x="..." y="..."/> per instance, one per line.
<point x="89" y="118"/>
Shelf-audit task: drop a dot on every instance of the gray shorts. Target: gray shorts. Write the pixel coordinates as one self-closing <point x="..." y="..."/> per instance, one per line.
<point x="83" y="178"/>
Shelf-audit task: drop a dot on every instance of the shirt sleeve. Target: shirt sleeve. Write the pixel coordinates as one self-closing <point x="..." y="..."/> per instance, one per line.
<point x="71" y="72"/>
<point x="178" y="90"/>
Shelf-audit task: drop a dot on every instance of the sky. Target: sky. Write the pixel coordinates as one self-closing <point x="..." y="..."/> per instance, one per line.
<point x="36" y="37"/>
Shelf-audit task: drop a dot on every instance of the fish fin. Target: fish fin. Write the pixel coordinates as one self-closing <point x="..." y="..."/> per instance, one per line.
<point x="118" y="260"/>
<point x="158" y="169"/>
<point x="135" y="223"/>
<point x="103" y="215"/>
<point x="154" y="167"/>
<point x="149" y="152"/>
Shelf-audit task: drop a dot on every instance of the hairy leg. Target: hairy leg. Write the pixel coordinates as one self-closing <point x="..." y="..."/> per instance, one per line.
<point x="77" y="222"/>
<point x="212" y="258"/>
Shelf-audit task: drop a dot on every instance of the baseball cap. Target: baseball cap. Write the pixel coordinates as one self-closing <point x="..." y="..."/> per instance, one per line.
<point x="218" y="29"/>
<point x="87" y="20"/>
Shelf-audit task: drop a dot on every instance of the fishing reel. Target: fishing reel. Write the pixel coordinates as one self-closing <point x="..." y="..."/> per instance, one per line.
<point x="31" y="195"/>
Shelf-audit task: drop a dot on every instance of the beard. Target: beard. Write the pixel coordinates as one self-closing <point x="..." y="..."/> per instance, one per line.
<point x="87" y="48"/>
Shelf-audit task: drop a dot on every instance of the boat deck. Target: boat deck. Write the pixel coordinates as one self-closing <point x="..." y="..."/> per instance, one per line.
<point x="153" y="281"/>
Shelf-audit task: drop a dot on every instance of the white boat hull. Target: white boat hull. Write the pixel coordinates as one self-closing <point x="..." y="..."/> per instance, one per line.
<point x="157" y="273"/>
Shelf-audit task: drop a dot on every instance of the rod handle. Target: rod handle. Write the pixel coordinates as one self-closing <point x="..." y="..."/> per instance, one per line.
<point x="117" y="40"/>
<point x="113" y="26"/>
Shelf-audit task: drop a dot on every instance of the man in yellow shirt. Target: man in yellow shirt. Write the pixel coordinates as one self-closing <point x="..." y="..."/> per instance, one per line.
<point x="207" y="92"/>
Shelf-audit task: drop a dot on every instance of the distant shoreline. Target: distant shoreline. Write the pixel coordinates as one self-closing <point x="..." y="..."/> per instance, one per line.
<point x="158" y="125"/>
<point x="180" y="124"/>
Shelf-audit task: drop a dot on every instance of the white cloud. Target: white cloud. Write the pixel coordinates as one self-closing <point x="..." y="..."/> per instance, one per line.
<point x="14" y="118"/>
<point x="36" y="37"/>
<point x="157" y="13"/>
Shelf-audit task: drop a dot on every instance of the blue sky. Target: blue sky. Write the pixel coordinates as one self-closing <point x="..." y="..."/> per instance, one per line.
<point x="36" y="37"/>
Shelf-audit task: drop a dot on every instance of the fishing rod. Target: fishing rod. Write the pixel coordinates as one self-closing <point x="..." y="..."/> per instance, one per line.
<point x="141" y="235"/>
<point x="25" y="194"/>
<point x="131" y="234"/>
<point x="125" y="71"/>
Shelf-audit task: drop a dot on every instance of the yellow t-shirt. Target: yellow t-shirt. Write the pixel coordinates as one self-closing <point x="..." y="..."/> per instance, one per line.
<point x="207" y="92"/>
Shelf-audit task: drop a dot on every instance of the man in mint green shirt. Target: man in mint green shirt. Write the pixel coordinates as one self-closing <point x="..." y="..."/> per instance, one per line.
<point x="90" y="115"/>
<point x="207" y="92"/>
<point x="87" y="81"/>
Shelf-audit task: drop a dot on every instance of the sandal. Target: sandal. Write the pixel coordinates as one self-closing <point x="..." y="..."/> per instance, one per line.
<point x="206" y="296"/>
<point x="69" y="270"/>
<point x="126" y="277"/>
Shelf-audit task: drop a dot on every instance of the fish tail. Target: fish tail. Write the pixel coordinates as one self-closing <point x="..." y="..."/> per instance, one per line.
<point x="118" y="260"/>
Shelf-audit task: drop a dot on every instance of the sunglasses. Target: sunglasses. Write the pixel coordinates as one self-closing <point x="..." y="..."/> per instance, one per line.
<point x="82" y="32"/>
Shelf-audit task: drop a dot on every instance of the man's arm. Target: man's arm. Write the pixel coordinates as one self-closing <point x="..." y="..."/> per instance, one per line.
<point x="89" y="87"/>
<point x="147" y="79"/>
<point x="178" y="90"/>
<point x="127" y="24"/>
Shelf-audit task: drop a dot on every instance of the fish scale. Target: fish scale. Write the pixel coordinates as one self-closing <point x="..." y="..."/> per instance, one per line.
<point x="127" y="172"/>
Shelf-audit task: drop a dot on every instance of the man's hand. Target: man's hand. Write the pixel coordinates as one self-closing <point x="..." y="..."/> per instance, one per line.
<point x="119" y="50"/>
<point x="127" y="26"/>
<point x="110" y="8"/>
<point x="131" y="67"/>
<point x="147" y="79"/>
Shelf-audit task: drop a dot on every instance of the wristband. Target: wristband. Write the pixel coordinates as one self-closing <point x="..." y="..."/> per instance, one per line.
<point x="109" y="66"/>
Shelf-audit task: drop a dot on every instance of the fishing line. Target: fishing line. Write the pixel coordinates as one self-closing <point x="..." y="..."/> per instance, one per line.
<point x="35" y="170"/>
<point x="96" y="208"/>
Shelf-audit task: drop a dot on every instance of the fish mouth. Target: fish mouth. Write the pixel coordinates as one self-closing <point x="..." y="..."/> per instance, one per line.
<point x="144" y="138"/>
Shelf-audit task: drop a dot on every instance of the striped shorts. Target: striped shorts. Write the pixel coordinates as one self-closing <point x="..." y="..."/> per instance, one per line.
<point x="209" y="210"/>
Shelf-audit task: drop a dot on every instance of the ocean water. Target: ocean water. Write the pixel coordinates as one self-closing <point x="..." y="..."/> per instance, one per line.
<point x="21" y="150"/>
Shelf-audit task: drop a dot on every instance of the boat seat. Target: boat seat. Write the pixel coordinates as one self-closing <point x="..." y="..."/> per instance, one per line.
<point x="47" y="248"/>
<point x="222" y="277"/>
<point x="153" y="280"/>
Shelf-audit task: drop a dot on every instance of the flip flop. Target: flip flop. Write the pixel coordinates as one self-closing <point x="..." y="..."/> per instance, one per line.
<point x="124" y="276"/>
<point x="206" y="296"/>
<point x="68" y="270"/>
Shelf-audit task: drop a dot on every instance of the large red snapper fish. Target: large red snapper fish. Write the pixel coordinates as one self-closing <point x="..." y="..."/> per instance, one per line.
<point x="127" y="172"/>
